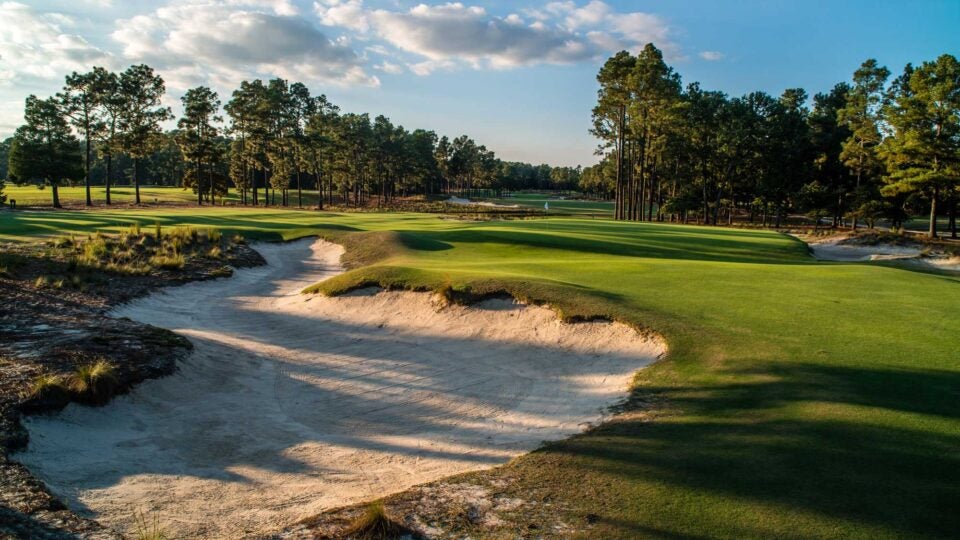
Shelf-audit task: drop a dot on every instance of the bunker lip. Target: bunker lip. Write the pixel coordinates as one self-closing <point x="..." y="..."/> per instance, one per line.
<point x="293" y="404"/>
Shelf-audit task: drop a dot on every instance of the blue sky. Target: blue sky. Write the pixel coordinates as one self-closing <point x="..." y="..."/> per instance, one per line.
<point x="516" y="76"/>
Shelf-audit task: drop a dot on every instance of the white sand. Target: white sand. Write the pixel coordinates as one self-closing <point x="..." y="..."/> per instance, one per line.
<point x="292" y="404"/>
<point x="460" y="200"/>
<point x="834" y="250"/>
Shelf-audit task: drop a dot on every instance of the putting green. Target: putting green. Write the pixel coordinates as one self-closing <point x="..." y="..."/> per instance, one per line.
<point x="799" y="399"/>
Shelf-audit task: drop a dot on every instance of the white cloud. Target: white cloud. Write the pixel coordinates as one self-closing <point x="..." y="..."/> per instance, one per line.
<point x="36" y="46"/>
<point x="191" y="40"/>
<point x="446" y="36"/>
<point x="344" y="13"/>
<point x="712" y="56"/>
<point x="389" y="67"/>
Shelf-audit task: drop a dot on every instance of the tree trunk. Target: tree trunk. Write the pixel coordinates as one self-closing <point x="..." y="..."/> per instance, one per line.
<point x="953" y="219"/>
<point x="56" y="195"/>
<point x="933" y="212"/>
<point x="199" y="186"/>
<point x="107" y="179"/>
<point x="136" y="180"/>
<point x="299" y="190"/>
<point x="86" y="177"/>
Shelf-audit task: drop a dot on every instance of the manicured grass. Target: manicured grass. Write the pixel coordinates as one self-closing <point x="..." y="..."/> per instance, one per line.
<point x="536" y="201"/>
<point x="799" y="399"/>
<point x="31" y="195"/>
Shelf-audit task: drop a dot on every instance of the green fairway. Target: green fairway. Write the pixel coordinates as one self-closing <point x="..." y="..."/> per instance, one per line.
<point x="558" y="205"/>
<point x="31" y="195"/>
<point x="799" y="399"/>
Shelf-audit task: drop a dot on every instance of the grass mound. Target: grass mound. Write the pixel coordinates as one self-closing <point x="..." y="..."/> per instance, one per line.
<point x="95" y="383"/>
<point x="376" y="524"/>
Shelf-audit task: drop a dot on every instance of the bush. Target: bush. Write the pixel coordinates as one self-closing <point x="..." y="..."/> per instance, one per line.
<point x="95" y="383"/>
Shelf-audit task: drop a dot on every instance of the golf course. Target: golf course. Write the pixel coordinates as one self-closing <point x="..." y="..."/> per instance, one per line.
<point x="796" y="394"/>
<point x="480" y="270"/>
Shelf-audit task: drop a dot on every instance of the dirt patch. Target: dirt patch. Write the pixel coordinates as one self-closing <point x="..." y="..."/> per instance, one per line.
<point x="292" y="404"/>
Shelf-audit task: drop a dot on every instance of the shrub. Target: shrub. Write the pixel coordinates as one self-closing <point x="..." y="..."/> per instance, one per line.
<point x="95" y="383"/>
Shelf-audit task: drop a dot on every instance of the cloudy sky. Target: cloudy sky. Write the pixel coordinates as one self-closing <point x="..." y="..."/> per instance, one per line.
<point x="518" y="76"/>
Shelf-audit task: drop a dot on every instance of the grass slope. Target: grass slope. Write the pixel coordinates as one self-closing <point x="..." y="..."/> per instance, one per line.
<point x="799" y="399"/>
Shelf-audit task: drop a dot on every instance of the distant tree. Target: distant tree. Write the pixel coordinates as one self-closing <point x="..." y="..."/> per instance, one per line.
<point x="4" y="156"/>
<point x="828" y="135"/>
<point x="110" y="102"/>
<point x="79" y="102"/>
<point x="44" y="147"/>
<point x="141" y="91"/>
<point x="198" y="134"/>
<point x="861" y="115"/>
<point x="922" y="154"/>
<point x="610" y="120"/>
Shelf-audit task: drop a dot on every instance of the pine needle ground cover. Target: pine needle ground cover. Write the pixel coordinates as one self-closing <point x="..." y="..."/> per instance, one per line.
<point x="798" y="399"/>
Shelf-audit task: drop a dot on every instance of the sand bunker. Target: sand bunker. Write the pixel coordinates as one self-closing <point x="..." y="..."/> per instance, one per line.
<point x="839" y="250"/>
<point x="292" y="404"/>
<point x="460" y="200"/>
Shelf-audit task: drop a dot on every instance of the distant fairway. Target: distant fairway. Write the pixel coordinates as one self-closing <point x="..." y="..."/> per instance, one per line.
<point x="799" y="398"/>
<point x="31" y="195"/>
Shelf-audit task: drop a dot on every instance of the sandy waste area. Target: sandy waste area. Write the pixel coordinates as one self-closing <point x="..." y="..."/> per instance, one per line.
<point x="291" y="404"/>
<point x="836" y="250"/>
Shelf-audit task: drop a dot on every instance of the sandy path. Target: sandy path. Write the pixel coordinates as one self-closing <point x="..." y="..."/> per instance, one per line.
<point x="292" y="404"/>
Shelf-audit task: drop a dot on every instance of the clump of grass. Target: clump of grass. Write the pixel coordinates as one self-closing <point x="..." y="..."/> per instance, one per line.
<point x="214" y="252"/>
<point x="168" y="261"/>
<point x="148" y="530"/>
<point x="47" y="386"/>
<point x="375" y="524"/>
<point x="238" y="239"/>
<point x="41" y="282"/>
<point x="95" y="383"/>
<point x="214" y="236"/>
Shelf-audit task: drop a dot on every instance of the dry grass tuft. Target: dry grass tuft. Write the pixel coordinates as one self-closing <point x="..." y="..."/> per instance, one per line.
<point x="148" y="530"/>
<point x="47" y="386"/>
<point x="375" y="524"/>
<point x="95" y="383"/>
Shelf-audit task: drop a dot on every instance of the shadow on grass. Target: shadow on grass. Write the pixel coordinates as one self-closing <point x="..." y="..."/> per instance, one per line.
<point x="654" y="241"/>
<point x="855" y="445"/>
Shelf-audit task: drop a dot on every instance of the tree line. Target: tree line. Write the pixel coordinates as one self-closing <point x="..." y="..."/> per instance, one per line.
<point x="874" y="149"/>
<point x="269" y="138"/>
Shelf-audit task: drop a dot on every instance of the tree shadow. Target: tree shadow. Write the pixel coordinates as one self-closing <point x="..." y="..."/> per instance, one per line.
<point x="838" y="459"/>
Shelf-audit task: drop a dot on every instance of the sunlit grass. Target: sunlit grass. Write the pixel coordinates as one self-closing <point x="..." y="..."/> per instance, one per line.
<point x="799" y="398"/>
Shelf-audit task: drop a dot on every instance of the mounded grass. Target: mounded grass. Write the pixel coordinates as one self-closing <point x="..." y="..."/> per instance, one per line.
<point x="798" y="399"/>
<point x="95" y="383"/>
<point x="47" y="386"/>
<point x="375" y="524"/>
